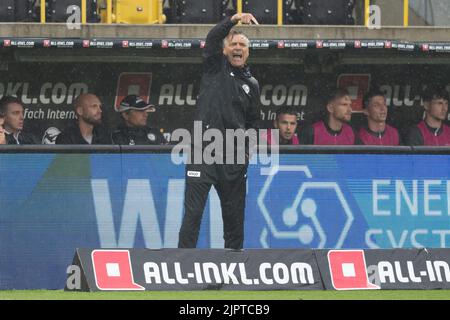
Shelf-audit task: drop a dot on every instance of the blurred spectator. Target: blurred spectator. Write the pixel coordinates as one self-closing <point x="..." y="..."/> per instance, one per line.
<point x="134" y="130"/>
<point x="13" y="111"/>
<point x="334" y="129"/>
<point x="377" y="132"/>
<point x="86" y="129"/>
<point x="286" y="123"/>
<point x="2" y="131"/>
<point x="432" y="131"/>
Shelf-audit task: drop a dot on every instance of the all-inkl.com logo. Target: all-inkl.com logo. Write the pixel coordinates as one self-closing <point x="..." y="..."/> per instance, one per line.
<point x="348" y="270"/>
<point x="113" y="271"/>
<point x="301" y="211"/>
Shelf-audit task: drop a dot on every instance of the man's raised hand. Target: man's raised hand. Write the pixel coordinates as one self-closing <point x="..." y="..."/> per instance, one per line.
<point x="244" y="18"/>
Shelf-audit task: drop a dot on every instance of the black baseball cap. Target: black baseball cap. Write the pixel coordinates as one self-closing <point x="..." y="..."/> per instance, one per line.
<point x="134" y="102"/>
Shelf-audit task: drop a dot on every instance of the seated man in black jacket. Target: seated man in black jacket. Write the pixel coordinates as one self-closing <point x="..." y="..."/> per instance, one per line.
<point x="87" y="128"/>
<point x="14" y="116"/>
<point x="134" y="131"/>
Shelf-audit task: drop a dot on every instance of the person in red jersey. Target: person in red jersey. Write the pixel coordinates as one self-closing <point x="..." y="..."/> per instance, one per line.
<point x="432" y="131"/>
<point x="334" y="129"/>
<point x="377" y="131"/>
<point x="286" y="123"/>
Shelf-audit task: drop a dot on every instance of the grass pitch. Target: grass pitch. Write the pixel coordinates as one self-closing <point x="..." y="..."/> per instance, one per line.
<point x="229" y="295"/>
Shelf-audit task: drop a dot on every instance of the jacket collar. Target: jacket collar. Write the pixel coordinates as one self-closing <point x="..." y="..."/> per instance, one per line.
<point x="244" y="71"/>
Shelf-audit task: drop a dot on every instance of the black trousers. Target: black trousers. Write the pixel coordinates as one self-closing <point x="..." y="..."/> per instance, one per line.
<point x="230" y="182"/>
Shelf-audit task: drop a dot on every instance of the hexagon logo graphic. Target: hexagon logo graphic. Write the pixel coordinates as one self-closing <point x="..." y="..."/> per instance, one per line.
<point x="312" y="214"/>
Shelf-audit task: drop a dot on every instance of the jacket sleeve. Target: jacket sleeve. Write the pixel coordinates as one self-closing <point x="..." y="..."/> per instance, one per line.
<point x="212" y="53"/>
<point x="10" y="139"/>
<point x="307" y="135"/>
<point x="161" y="139"/>
<point x="254" y="113"/>
<point x="63" y="138"/>
<point x="401" y="141"/>
<point x="414" y="137"/>
<point x="32" y="139"/>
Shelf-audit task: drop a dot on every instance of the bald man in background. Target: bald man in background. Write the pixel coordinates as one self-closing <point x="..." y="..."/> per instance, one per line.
<point x="86" y="129"/>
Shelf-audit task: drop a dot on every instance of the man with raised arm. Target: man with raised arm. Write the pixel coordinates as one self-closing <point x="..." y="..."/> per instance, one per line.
<point x="228" y="100"/>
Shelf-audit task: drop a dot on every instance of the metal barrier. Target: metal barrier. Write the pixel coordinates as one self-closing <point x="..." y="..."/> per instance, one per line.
<point x="167" y="149"/>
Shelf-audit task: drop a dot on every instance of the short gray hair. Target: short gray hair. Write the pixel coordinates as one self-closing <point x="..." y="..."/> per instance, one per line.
<point x="235" y="33"/>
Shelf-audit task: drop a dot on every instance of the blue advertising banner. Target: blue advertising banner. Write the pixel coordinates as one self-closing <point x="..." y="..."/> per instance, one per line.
<point x="52" y="204"/>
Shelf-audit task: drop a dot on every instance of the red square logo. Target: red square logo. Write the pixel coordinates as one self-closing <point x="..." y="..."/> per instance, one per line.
<point x="133" y="83"/>
<point x="7" y="43"/>
<point x="125" y="44"/>
<point x="425" y="47"/>
<point x="388" y="44"/>
<point x="319" y="44"/>
<point x="113" y="271"/>
<point x="348" y="270"/>
<point x="164" y="44"/>
<point x="86" y="43"/>
<point x="357" y="85"/>
<point x="280" y="44"/>
<point x="46" y="43"/>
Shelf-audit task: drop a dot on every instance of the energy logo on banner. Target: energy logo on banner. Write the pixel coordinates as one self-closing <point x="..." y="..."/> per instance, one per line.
<point x="303" y="220"/>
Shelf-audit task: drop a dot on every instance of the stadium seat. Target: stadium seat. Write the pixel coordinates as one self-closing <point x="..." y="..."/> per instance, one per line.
<point x="7" y="10"/>
<point x="137" y="11"/>
<point x="18" y="11"/>
<point x="291" y="12"/>
<point x="170" y="11"/>
<point x="57" y="10"/>
<point x="265" y="11"/>
<point x="228" y="8"/>
<point x="26" y="11"/>
<point x="200" y="11"/>
<point x="323" y="12"/>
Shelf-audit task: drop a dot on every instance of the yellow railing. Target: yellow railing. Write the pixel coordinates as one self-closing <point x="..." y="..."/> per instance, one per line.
<point x="239" y="6"/>
<point x="83" y="11"/>
<point x="43" y="11"/>
<point x="366" y="12"/>
<point x="109" y="11"/>
<point x="405" y="12"/>
<point x="280" y="13"/>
